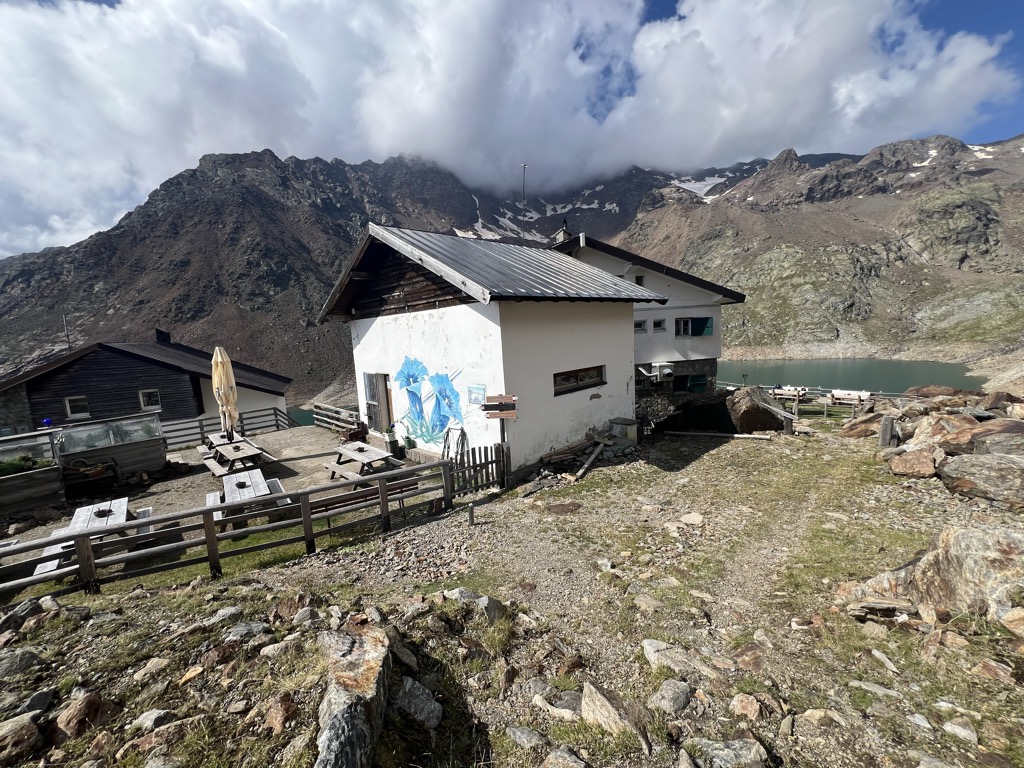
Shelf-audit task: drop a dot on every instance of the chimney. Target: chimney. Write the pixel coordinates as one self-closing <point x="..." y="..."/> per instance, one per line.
<point x="563" y="234"/>
<point x="163" y="337"/>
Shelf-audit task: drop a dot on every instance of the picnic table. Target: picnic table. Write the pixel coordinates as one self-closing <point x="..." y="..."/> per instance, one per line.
<point x="240" y="486"/>
<point x="356" y="460"/>
<point x="93" y="519"/>
<point x="240" y="452"/>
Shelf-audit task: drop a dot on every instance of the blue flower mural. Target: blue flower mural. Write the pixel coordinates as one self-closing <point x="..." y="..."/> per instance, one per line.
<point x="446" y="406"/>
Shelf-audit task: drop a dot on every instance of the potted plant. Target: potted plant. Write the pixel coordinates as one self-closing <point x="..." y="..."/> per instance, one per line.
<point x="407" y="438"/>
<point x="394" y="446"/>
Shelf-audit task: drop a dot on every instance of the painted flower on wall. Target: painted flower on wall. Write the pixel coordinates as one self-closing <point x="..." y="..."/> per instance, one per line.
<point x="447" y="403"/>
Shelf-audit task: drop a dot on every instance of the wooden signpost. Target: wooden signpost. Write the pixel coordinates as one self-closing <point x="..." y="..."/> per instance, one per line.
<point x="500" y="407"/>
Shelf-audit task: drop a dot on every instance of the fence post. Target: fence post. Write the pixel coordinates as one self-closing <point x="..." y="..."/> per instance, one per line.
<point x="885" y="432"/>
<point x="385" y="511"/>
<point x="307" y="524"/>
<point x="212" y="549"/>
<point x="506" y="451"/>
<point x="86" y="565"/>
<point x="446" y="479"/>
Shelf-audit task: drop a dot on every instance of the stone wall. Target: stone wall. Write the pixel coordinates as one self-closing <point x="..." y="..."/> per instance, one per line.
<point x="15" y="416"/>
<point x="657" y="399"/>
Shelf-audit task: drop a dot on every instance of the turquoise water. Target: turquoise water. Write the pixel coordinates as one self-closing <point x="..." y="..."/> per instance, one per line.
<point x="873" y="375"/>
<point x="303" y="417"/>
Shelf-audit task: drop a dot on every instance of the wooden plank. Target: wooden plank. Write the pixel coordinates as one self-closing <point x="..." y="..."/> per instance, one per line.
<point x="86" y="564"/>
<point x="724" y="435"/>
<point x="501" y="414"/>
<point x="215" y="468"/>
<point x="500" y="399"/>
<point x="591" y="460"/>
<point x="307" y="525"/>
<point x="212" y="550"/>
<point x="385" y="509"/>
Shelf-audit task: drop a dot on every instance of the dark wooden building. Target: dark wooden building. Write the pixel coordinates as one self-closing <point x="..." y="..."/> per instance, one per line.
<point x="107" y="380"/>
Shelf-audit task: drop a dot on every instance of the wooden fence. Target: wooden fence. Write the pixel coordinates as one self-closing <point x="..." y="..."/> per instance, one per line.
<point x="196" y="536"/>
<point x="338" y="418"/>
<point x="301" y="516"/>
<point x="480" y="468"/>
<point x="194" y="431"/>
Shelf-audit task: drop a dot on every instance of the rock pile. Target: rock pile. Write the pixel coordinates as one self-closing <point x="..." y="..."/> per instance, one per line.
<point x="973" y="443"/>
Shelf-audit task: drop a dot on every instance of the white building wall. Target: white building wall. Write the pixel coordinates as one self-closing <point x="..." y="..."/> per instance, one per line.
<point x="540" y="339"/>
<point x="684" y="300"/>
<point x="461" y="342"/>
<point x="248" y="399"/>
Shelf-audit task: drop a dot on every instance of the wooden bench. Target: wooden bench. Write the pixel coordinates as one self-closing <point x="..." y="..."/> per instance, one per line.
<point x="61" y="552"/>
<point x="336" y="469"/>
<point x="144" y="514"/>
<point x="214" y="467"/>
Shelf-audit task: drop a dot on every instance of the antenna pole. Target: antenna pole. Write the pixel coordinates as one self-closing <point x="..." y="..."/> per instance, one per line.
<point x="522" y="209"/>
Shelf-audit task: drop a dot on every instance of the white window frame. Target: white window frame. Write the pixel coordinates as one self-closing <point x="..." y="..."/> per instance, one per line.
<point x="639" y="326"/>
<point x="77" y="415"/>
<point x="658" y="326"/>
<point x="142" y="400"/>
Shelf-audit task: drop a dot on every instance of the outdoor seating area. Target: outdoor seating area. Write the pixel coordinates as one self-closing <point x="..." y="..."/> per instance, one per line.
<point x="356" y="459"/>
<point x="94" y="519"/>
<point x="222" y="455"/>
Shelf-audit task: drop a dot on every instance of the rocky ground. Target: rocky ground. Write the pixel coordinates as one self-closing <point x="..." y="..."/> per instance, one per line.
<point x="693" y="585"/>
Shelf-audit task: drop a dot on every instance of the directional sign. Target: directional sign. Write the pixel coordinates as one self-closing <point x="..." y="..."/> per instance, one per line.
<point x="501" y="414"/>
<point x="500" y="399"/>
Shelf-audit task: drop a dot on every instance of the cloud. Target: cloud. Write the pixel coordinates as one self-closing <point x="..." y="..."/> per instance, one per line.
<point x="99" y="105"/>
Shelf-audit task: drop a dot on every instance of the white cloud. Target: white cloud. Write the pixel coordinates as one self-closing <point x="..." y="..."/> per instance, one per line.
<point x="99" y="105"/>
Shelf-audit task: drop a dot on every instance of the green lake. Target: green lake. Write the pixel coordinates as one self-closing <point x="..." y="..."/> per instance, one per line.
<point x="868" y="374"/>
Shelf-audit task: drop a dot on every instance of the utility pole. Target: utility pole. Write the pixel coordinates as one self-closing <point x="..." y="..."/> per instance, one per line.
<point x="67" y="336"/>
<point x="522" y="209"/>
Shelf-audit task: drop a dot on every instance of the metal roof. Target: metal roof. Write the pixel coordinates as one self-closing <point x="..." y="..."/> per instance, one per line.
<point x="177" y="356"/>
<point x="488" y="271"/>
<point x="728" y="295"/>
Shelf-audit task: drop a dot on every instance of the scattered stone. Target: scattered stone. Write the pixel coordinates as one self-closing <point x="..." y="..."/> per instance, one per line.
<point x="1013" y="620"/>
<point x="740" y="753"/>
<point x="679" y="660"/>
<point x="750" y="657"/>
<point x="920" y="721"/>
<point x="238" y="707"/>
<point x="246" y="630"/>
<point x="154" y="665"/>
<point x="563" y="757"/>
<point x="282" y="709"/>
<point x="646" y="603"/>
<point x="14" y="619"/>
<point x="101" y="746"/>
<point x="527" y="738"/>
<point x="19" y="738"/>
<point x="961" y="728"/>
<point x="819" y="718"/>
<point x="306" y="615"/>
<point x="151" y="720"/>
<point x="745" y="705"/>
<point x="294" y="748"/>
<point x="80" y="715"/>
<point x="39" y="701"/>
<point x="15" y="661"/>
<point x="874" y="630"/>
<point x="786" y="727"/>
<point x="602" y="709"/>
<point x="994" y="670"/>
<point x="672" y="698"/>
<point x="417" y="702"/>
<point x="919" y="463"/>
<point x="191" y="674"/>
<point x="492" y="609"/>
<point x="875" y="689"/>
<point x="885" y="661"/>
<point x="274" y="650"/>
<point x="558" y="713"/>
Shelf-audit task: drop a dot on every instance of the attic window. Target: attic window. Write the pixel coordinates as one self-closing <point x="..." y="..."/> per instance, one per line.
<point x="77" y="407"/>
<point x="639" y="280"/>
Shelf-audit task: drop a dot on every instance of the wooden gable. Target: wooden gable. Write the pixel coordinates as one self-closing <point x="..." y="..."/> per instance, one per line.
<point x="386" y="283"/>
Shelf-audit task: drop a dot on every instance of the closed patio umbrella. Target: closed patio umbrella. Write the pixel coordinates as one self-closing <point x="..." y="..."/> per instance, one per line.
<point x="225" y="392"/>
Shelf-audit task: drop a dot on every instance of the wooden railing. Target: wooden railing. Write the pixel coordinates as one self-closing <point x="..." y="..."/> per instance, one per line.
<point x="194" y="431"/>
<point x="305" y="515"/>
<point x="335" y="417"/>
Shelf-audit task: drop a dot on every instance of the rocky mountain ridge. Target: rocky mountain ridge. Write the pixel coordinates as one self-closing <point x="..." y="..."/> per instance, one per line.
<point x="908" y="250"/>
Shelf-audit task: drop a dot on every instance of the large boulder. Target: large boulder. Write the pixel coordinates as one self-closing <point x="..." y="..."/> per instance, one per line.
<point x="1009" y="443"/>
<point x="863" y="426"/>
<point x="965" y="440"/>
<point x="1000" y="400"/>
<point x="751" y="410"/>
<point x="934" y="390"/>
<point x="998" y="477"/>
<point x="964" y="571"/>
<point x="920" y="463"/>
<point x="935" y="429"/>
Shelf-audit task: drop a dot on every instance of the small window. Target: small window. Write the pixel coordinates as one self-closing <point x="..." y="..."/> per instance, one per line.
<point x="639" y="326"/>
<point x="639" y="280"/>
<point x="149" y="399"/>
<point x="77" y="407"/>
<point x="658" y="326"/>
<point x="581" y="378"/>
<point x="694" y="326"/>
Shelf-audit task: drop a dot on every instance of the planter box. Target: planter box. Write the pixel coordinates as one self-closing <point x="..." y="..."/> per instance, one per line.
<point x="139" y="456"/>
<point x="30" y="490"/>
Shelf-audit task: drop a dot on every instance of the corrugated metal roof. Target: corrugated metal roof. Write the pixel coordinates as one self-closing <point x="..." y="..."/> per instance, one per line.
<point x="489" y="270"/>
<point x="199" y="362"/>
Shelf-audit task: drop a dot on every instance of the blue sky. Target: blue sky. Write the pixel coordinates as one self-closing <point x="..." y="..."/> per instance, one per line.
<point x="99" y="104"/>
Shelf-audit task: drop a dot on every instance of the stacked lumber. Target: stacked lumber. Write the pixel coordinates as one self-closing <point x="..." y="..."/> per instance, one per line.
<point x="594" y="446"/>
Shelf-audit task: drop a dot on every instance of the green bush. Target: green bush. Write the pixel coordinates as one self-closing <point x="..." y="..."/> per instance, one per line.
<point x="22" y="464"/>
